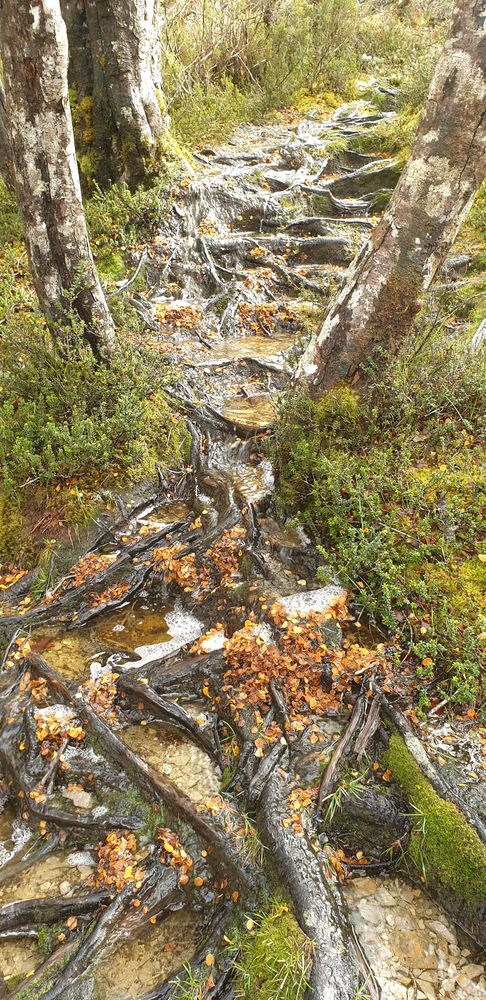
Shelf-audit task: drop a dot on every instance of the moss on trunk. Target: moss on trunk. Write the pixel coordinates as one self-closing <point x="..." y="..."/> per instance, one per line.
<point x="442" y="844"/>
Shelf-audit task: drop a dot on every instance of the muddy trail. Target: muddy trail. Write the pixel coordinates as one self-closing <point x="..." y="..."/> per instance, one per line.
<point x="191" y="724"/>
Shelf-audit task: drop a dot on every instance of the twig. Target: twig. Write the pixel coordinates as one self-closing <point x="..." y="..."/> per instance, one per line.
<point x="130" y="281"/>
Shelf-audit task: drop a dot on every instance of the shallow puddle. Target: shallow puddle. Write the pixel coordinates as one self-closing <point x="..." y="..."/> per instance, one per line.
<point x="252" y="414"/>
<point x="51" y="876"/>
<point x="18" y="958"/>
<point x="14" y="835"/>
<point x="177" y="758"/>
<point x="166" y="514"/>
<point x="134" y="625"/>
<point x="135" y="966"/>
<point x="411" y="944"/>
<point x="137" y="628"/>
<point x="70" y="653"/>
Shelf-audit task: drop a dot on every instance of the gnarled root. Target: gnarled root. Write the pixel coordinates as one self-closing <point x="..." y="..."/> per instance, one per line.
<point x="335" y="973"/>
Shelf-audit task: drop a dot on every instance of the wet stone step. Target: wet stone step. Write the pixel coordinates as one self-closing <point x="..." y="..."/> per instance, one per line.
<point x="332" y="250"/>
<point x="367" y="179"/>
<point x="243" y="348"/>
<point x="255" y="413"/>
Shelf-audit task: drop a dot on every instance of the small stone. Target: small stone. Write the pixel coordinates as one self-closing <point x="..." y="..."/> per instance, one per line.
<point x="463" y="979"/>
<point x="384" y="898"/>
<point x="65" y="888"/>
<point x="473" y="971"/>
<point x="448" y="985"/>
<point x="82" y="800"/>
<point x="442" y="931"/>
<point x="424" y="987"/>
<point x="429" y="975"/>
<point x="405" y="980"/>
<point x="370" y="913"/>
<point x="398" y="992"/>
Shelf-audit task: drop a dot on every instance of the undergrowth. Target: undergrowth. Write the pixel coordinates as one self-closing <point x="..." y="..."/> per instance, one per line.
<point x="234" y="61"/>
<point x="71" y="431"/>
<point x="275" y="957"/>
<point x="392" y="490"/>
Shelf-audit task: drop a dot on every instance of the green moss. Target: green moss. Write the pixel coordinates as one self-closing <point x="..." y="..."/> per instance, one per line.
<point x="394" y="136"/>
<point x="46" y="937"/>
<point x="275" y="958"/>
<point x="442" y="843"/>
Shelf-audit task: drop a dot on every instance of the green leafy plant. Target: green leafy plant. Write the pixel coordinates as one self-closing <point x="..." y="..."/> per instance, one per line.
<point x="390" y="486"/>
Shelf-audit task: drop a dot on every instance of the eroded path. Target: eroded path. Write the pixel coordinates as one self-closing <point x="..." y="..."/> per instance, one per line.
<point x="188" y="718"/>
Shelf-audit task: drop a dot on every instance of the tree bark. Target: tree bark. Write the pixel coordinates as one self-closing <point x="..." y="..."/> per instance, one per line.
<point x="6" y="165"/>
<point x="34" y="52"/>
<point x="115" y="67"/>
<point x="378" y="303"/>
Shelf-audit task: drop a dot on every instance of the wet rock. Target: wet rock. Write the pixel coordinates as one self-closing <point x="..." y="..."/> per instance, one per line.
<point x="82" y="800"/>
<point x="473" y="971"/>
<point x="313" y="600"/>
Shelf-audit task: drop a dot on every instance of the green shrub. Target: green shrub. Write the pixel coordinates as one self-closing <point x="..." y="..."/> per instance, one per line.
<point x="10" y="227"/>
<point x="391" y="487"/>
<point x="62" y="415"/>
<point x="213" y="110"/>
<point x="120" y="220"/>
<point x="394" y="136"/>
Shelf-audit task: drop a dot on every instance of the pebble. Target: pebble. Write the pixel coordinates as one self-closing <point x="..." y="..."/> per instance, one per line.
<point x="474" y="971"/>
<point x="410" y="943"/>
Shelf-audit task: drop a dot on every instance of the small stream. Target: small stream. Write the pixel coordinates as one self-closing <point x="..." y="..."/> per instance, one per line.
<point x="259" y="239"/>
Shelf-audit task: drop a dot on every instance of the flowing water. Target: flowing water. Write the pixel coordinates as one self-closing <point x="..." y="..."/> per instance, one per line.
<point x="263" y="232"/>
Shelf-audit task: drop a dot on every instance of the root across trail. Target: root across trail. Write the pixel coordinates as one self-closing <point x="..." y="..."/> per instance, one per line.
<point x="196" y="740"/>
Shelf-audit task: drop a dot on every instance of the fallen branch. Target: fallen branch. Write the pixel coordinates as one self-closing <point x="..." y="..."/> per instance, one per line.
<point x="341" y="748"/>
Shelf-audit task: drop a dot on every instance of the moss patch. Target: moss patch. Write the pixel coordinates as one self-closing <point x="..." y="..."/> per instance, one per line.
<point x="275" y="958"/>
<point x="442" y="844"/>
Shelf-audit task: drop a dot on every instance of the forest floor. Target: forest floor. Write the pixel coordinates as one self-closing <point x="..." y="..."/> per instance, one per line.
<point x="212" y="783"/>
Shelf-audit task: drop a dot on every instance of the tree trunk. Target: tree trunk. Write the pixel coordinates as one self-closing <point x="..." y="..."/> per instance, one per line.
<point x="34" y="52"/>
<point x="379" y="301"/>
<point x="115" y="65"/>
<point x="6" y="166"/>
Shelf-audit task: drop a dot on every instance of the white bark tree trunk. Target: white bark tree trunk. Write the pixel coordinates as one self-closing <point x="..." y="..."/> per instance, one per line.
<point x="34" y="51"/>
<point x="115" y="48"/>
<point x="6" y="166"/>
<point x="382" y="295"/>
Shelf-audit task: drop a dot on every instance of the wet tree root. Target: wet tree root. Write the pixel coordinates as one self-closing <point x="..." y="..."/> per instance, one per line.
<point x="172" y="714"/>
<point x="26" y="912"/>
<point x="429" y="770"/>
<point x="335" y="972"/>
<point x="225" y="851"/>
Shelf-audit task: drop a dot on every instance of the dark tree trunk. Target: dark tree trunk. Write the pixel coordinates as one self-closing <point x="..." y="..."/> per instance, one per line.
<point x="379" y="302"/>
<point x="115" y="63"/>
<point x="34" y="51"/>
<point x="6" y="165"/>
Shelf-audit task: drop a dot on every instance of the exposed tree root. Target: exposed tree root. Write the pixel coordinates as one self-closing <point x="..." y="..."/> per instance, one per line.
<point x="335" y="973"/>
